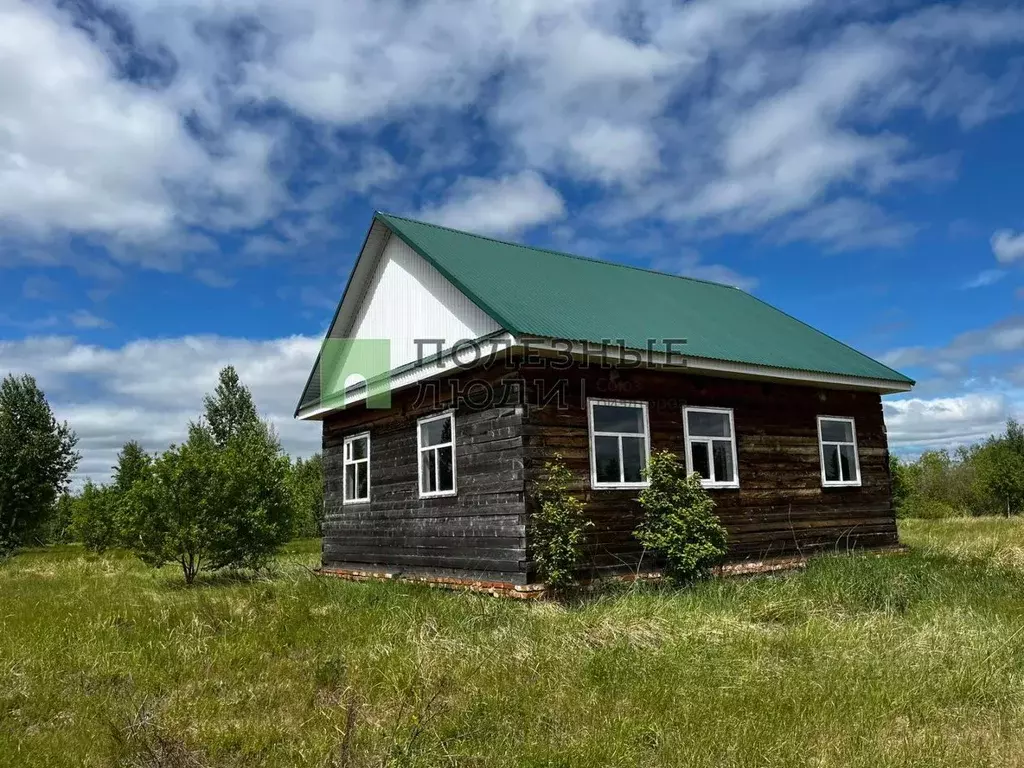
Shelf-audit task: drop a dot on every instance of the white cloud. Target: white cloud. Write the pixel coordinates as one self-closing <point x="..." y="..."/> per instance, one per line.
<point x="148" y="390"/>
<point x="87" y="151"/>
<point x="83" y="318"/>
<point x="985" y="278"/>
<point x="720" y="114"/>
<point x="690" y="264"/>
<point x="1008" y="246"/>
<point x="498" y="206"/>
<point x="916" y="423"/>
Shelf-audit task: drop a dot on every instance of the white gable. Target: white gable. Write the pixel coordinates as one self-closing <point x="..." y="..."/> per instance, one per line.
<point x="407" y="299"/>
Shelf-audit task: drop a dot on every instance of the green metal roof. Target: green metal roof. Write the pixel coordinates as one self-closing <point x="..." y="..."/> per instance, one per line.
<point x="533" y="291"/>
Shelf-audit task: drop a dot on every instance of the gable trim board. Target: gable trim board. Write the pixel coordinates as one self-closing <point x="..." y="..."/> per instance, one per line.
<point x="400" y="264"/>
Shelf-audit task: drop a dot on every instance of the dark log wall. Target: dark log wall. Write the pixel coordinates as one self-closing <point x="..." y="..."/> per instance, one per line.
<point x="480" y="534"/>
<point x="780" y="507"/>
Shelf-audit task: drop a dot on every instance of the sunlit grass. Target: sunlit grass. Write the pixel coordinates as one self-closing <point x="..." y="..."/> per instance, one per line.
<point x="862" y="661"/>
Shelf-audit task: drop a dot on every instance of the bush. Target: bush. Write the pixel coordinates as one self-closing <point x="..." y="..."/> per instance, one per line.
<point x="94" y="518"/>
<point x="306" y="487"/>
<point x="928" y="509"/>
<point x="207" y="507"/>
<point x="558" y="526"/>
<point x="679" y="521"/>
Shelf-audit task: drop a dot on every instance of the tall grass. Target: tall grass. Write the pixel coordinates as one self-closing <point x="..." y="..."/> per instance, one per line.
<point x="856" y="661"/>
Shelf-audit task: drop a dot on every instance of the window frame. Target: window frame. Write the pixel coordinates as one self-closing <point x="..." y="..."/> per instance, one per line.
<point x="420" y="449"/>
<point x="592" y="446"/>
<point x="855" y="483"/>
<point x="346" y="462"/>
<point x="688" y="439"/>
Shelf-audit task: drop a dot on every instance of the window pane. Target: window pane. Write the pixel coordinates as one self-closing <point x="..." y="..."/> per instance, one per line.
<point x="722" y="456"/>
<point x="436" y="432"/>
<point x="350" y="482"/>
<point x="700" y="460"/>
<point x="358" y="448"/>
<point x="848" y="462"/>
<point x="617" y="418"/>
<point x="428" y="481"/>
<point x="831" y="454"/>
<point x="606" y="459"/>
<point x="702" y="424"/>
<point x="446" y="471"/>
<point x="634" y="459"/>
<point x="362" y="478"/>
<point x="836" y="431"/>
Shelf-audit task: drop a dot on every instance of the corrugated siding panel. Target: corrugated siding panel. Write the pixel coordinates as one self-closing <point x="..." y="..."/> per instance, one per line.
<point x="407" y="299"/>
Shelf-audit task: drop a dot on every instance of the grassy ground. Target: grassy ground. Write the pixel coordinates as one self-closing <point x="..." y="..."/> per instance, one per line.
<point x="857" y="661"/>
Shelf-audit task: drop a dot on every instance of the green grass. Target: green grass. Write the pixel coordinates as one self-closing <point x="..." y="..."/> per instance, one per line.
<point x="857" y="661"/>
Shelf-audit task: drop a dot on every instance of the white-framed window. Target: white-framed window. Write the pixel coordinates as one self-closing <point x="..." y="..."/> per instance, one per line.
<point x="620" y="443"/>
<point x="436" y="439"/>
<point x="356" y="468"/>
<point x="837" y="441"/>
<point x="711" y="446"/>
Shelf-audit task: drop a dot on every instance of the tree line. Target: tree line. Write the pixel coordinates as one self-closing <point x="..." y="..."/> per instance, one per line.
<point x="986" y="478"/>
<point x="227" y="497"/>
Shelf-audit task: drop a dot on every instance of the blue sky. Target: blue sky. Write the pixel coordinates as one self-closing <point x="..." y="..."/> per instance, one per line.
<point x="185" y="183"/>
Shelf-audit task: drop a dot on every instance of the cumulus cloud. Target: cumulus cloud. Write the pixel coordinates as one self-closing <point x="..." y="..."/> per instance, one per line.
<point x="498" y="206"/>
<point x="722" y="114"/>
<point x="918" y="424"/>
<point x="149" y="389"/>
<point x="1008" y="246"/>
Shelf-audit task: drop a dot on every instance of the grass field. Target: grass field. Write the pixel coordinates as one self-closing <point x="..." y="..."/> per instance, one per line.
<point x="857" y="661"/>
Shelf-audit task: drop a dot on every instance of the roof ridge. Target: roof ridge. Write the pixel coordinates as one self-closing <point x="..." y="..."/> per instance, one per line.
<point x="564" y="254"/>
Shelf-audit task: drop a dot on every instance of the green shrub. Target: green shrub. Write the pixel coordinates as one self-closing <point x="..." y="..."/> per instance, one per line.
<point x="206" y="507"/>
<point x="928" y="509"/>
<point x="679" y="520"/>
<point x="557" y="534"/>
<point x="94" y="517"/>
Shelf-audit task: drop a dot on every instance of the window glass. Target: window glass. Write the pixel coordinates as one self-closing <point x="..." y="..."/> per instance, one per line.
<point x="362" y="486"/>
<point x="701" y="463"/>
<point x="436" y="432"/>
<point x="708" y="424"/>
<point x="834" y="431"/>
<point x="606" y="459"/>
<point x="350" y="482"/>
<point x="831" y="456"/>
<point x="848" y="462"/>
<point x="616" y="418"/>
<point x="428" y="471"/>
<point x="445" y="471"/>
<point x="634" y="459"/>
<point x="722" y="455"/>
<point x="358" y="448"/>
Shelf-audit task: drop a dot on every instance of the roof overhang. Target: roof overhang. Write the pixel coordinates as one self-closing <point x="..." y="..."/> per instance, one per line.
<point x="489" y="347"/>
<point x="585" y="350"/>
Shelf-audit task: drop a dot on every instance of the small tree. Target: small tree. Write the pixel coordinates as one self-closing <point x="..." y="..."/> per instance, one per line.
<point x="94" y="518"/>
<point x="256" y="510"/>
<point x="306" y="488"/>
<point x="171" y="515"/>
<point x="230" y="409"/>
<point x="558" y="526"/>
<point x="679" y="521"/>
<point x="37" y="458"/>
<point x="206" y="507"/>
<point x="61" y="520"/>
<point x="133" y="464"/>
